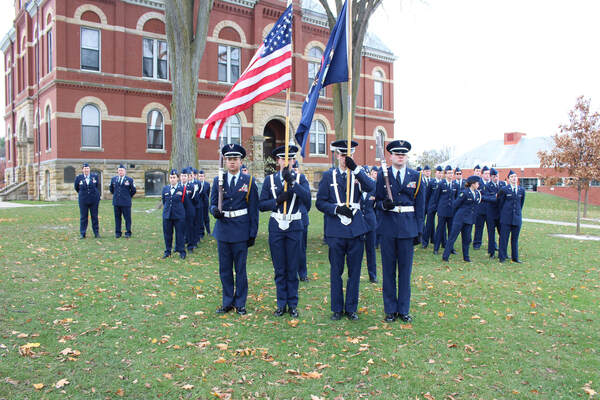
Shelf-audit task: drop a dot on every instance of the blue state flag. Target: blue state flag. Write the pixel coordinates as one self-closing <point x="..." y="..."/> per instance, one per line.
<point x="334" y="69"/>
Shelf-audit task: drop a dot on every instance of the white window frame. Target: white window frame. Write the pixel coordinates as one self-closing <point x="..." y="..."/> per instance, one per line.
<point x="155" y="43"/>
<point x="49" y="51"/>
<point x="317" y="134"/>
<point x="99" y="49"/>
<point x="99" y="126"/>
<point x="315" y="63"/>
<point x="48" y="128"/>
<point x="378" y="84"/>
<point x="229" y="63"/>
<point x="162" y="129"/>
<point x="227" y="129"/>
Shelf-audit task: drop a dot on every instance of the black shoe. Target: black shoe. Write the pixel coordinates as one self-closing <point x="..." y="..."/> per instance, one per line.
<point x="373" y="280"/>
<point x="279" y="312"/>
<point x="336" y="316"/>
<point x="182" y="255"/>
<point x="117" y="236"/>
<point x="492" y="256"/>
<point x="304" y="279"/>
<point x="467" y="259"/>
<point x="390" y="317"/>
<point x="352" y="316"/>
<point x="81" y="236"/>
<point x="127" y="235"/>
<point x="190" y="249"/>
<point x="241" y="310"/>
<point x="476" y="248"/>
<point x="435" y="252"/>
<point x="224" y="309"/>
<point x="293" y="312"/>
<point x="424" y="246"/>
<point x="501" y="260"/>
<point x="404" y="317"/>
<point x="97" y="235"/>
<point x="452" y="251"/>
<point x="166" y="255"/>
<point x="517" y="261"/>
<point x="445" y="259"/>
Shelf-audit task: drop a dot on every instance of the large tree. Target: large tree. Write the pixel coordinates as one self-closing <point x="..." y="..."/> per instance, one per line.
<point x="577" y="149"/>
<point x="186" y="26"/>
<point x="361" y="12"/>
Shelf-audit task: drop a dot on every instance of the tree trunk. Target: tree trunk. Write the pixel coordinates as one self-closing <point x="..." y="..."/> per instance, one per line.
<point x="586" y="200"/>
<point x="578" y="231"/>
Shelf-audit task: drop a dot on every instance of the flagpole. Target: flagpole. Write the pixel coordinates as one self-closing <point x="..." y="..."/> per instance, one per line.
<point x="287" y="113"/>
<point x="349" y="105"/>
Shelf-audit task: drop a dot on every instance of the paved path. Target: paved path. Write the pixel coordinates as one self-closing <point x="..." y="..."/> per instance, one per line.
<point x="544" y="221"/>
<point x="12" y="204"/>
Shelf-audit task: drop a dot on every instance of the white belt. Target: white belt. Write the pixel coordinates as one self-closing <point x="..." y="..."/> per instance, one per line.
<point x="286" y="217"/>
<point x="235" y="213"/>
<point x="403" y="209"/>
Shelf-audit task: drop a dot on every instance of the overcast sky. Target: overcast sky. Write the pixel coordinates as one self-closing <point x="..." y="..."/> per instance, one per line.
<point x="470" y="70"/>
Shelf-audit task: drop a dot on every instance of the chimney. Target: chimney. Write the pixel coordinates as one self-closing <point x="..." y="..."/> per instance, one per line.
<point x="513" y="137"/>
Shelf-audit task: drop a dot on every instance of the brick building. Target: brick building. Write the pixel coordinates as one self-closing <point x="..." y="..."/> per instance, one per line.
<point x="88" y="80"/>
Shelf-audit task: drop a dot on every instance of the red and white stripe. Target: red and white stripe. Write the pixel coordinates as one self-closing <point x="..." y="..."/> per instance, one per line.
<point x="263" y="78"/>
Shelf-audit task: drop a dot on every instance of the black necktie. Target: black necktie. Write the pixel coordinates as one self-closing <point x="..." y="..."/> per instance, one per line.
<point x="232" y="185"/>
<point x="398" y="179"/>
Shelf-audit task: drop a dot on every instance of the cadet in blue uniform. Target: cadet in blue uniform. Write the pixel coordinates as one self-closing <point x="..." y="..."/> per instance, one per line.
<point x="205" y="198"/>
<point x="201" y="190"/>
<point x="173" y="216"/>
<point x="345" y="227"/>
<point x="367" y="206"/>
<point x="444" y="197"/>
<point x="465" y="210"/>
<point x="235" y="229"/>
<point x="122" y="189"/>
<point x="189" y="204"/>
<point x="492" y="213"/>
<point x="302" y="267"/>
<point x="431" y="207"/>
<point x="87" y="186"/>
<point x="510" y="202"/>
<point x="400" y="228"/>
<point x="484" y="179"/>
<point x="458" y="181"/>
<point x="285" y="227"/>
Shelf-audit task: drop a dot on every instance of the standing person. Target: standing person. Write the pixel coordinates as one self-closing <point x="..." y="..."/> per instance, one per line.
<point x="367" y="206"/>
<point x="173" y="215"/>
<point x="285" y="227"/>
<point x="345" y="227"/>
<point x="492" y="213"/>
<point x="87" y="186"/>
<point x="189" y="204"/>
<point x="205" y="199"/>
<point x="400" y="228"/>
<point x="200" y="188"/>
<point x="235" y="229"/>
<point x="122" y="189"/>
<point x="484" y="179"/>
<point x="458" y="182"/>
<point x="465" y="211"/>
<point x="244" y="169"/>
<point x="511" y="199"/>
<point x="303" y="267"/>
<point x="431" y="207"/>
<point x="444" y="197"/>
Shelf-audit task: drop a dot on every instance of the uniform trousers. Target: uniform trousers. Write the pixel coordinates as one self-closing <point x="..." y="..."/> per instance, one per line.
<point x="505" y="231"/>
<point x="302" y="268"/>
<point x="125" y="212"/>
<point x="179" y="226"/>
<point x="465" y="232"/>
<point x="396" y="268"/>
<point x="198" y="225"/>
<point x="492" y="224"/>
<point x="232" y="256"/>
<point x="285" y="250"/>
<point x="83" y="217"/>
<point x="370" y="243"/>
<point x="429" y="234"/>
<point x="190" y="216"/>
<point x="347" y="251"/>
<point x="443" y="229"/>
<point x="478" y="237"/>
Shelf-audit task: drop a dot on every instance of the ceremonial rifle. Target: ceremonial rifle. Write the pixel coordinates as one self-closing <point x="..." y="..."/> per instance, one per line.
<point x="381" y="155"/>
<point x="220" y="197"/>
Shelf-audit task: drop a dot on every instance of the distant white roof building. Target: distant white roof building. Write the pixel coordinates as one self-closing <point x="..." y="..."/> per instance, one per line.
<point x="515" y="151"/>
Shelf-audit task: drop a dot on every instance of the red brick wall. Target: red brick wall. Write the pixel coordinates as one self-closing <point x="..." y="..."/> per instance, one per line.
<point x="569" y="192"/>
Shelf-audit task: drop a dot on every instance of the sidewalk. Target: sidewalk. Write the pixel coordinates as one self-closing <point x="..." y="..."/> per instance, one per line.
<point x="543" y="221"/>
<point x="12" y="204"/>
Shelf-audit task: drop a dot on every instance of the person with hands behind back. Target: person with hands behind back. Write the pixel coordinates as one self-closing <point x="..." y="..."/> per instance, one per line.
<point x="345" y="227"/>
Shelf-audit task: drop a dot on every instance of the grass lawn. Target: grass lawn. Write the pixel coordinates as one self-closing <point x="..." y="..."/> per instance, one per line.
<point x="116" y="321"/>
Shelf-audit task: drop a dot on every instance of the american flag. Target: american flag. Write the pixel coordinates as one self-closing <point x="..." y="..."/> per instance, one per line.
<point x="269" y="72"/>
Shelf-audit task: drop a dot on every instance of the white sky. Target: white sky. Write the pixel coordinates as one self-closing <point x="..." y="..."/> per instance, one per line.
<point x="470" y="70"/>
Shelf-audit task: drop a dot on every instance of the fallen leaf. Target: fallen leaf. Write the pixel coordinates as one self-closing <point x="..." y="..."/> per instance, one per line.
<point x="222" y="346"/>
<point x="187" y="386"/>
<point x="38" y="386"/>
<point x="293" y="323"/>
<point x="120" y="392"/>
<point x="61" y="383"/>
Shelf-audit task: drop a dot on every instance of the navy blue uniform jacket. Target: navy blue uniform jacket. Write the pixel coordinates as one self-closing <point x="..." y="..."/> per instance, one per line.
<point x="88" y="194"/>
<point x="490" y="198"/>
<point x="444" y="196"/>
<point x="511" y="204"/>
<point x="236" y="229"/>
<point x="465" y="207"/>
<point x="367" y="205"/>
<point x="429" y="196"/>
<point x="327" y="203"/>
<point x="407" y="224"/>
<point x="302" y="203"/>
<point x="173" y="204"/>
<point x="122" y="193"/>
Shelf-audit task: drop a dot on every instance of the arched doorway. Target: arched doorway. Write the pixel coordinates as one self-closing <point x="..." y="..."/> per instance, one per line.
<point x="274" y="134"/>
<point x="47" y="181"/>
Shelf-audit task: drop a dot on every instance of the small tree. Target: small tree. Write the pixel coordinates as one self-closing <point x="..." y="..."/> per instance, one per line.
<point x="434" y="157"/>
<point x="577" y="149"/>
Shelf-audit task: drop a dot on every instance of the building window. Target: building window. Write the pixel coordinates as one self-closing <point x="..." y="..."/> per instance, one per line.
<point x="317" y="138"/>
<point x="48" y="128"/>
<point x="380" y="134"/>
<point x="69" y="174"/>
<point x="9" y="83"/>
<point x="90" y="49"/>
<point x="8" y="141"/>
<point x="378" y="89"/>
<point x="154" y="59"/>
<point x="316" y="54"/>
<point x="155" y="129"/>
<point x="36" y="57"/>
<point x="154" y="182"/>
<point x="50" y="50"/>
<point x="229" y="64"/>
<point x="38" y="132"/>
<point x="232" y="131"/>
<point x="90" y="126"/>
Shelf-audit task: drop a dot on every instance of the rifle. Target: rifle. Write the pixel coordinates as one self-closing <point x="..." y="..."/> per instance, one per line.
<point x="381" y="155"/>
<point x="220" y="198"/>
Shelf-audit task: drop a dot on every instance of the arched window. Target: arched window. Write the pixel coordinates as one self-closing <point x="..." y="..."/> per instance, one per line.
<point x="317" y="138"/>
<point x="155" y="130"/>
<point x="69" y="174"/>
<point x="232" y="131"/>
<point x="90" y="126"/>
<point x="315" y="54"/>
<point x="38" y="132"/>
<point x="380" y="133"/>
<point x="49" y="50"/>
<point x="378" y="89"/>
<point x="48" y="128"/>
